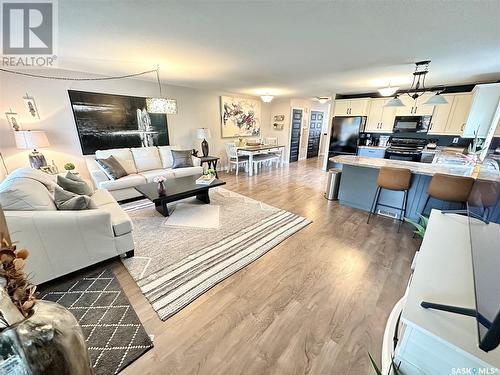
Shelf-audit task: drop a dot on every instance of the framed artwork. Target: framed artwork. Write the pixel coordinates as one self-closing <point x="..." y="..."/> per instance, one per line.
<point x="279" y="118"/>
<point x="105" y="121"/>
<point x="240" y="117"/>
<point x="31" y="106"/>
<point x="13" y="120"/>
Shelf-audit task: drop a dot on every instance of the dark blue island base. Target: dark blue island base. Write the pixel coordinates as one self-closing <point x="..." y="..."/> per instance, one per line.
<point x="358" y="186"/>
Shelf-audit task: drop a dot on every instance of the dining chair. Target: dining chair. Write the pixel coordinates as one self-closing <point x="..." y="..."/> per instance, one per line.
<point x="234" y="158"/>
<point x="275" y="155"/>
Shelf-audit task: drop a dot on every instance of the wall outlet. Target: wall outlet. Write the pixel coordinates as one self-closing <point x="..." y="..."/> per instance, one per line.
<point x="456" y="139"/>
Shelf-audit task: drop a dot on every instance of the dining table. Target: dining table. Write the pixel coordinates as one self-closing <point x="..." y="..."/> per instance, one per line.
<point x="251" y="151"/>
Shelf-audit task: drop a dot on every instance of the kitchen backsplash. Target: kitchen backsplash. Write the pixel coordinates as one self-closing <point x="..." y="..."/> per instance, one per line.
<point x="441" y="140"/>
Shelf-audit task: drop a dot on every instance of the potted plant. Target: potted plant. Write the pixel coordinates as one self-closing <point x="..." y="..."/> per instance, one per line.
<point x="420" y="226"/>
<point x="70" y="167"/>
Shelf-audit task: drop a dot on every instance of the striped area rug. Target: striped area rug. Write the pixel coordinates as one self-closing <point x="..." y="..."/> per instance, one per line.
<point x="171" y="288"/>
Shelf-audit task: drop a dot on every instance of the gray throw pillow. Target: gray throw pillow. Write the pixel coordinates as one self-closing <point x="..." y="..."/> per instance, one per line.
<point x="66" y="200"/>
<point x="182" y="158"/>
<point x="112" y="168"/>
<point x="74" y="184"/>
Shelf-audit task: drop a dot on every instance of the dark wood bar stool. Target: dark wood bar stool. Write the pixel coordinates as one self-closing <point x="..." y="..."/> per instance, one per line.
<point x="454" y="189"/>
<point x="396" y="179"/>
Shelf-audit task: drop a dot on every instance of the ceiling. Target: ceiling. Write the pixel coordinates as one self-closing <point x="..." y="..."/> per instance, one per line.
<point x="292" y="48"/>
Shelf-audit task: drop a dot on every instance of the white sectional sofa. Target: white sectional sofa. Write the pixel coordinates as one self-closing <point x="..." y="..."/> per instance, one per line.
<point x="61" y="242"/>
<point x="142" y="164"/>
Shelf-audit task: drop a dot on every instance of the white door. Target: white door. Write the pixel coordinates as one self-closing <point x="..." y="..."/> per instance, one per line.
<point x="459" y="113"/>
<point x="440" y="116"/>
<point x="375" y="115"/>
<point x="341" y="107"/>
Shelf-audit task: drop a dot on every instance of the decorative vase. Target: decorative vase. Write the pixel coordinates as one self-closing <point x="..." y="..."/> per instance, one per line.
<point x="161" y="188"/>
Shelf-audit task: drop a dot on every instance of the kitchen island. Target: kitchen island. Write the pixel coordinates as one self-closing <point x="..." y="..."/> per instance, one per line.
<point x="359" y="183"/>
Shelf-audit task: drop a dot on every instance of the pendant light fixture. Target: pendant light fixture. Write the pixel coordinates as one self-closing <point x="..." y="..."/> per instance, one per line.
<point x="417" y="88"/>
<point x="323" y="99"/>
<point x="161" y="104"/>
<point x="388" y="91"/>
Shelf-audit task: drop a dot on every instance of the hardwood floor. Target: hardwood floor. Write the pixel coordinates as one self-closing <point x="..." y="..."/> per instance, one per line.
<point x="315" y="304"/>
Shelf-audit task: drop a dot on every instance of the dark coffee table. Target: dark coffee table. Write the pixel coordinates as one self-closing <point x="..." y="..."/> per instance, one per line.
<point x="177" y="189"/>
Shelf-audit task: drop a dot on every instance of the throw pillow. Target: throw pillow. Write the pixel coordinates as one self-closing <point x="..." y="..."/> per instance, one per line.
<point x="66" y="200"/>
<point x="182" y="158"/>
<point x="112" y="168"/>
<point x="74" y="184"/>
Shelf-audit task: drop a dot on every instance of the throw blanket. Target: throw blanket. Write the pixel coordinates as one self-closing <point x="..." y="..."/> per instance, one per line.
<point x="34" y="174"/>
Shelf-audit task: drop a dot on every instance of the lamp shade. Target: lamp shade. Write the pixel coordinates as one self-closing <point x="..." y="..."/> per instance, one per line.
<point x="161" y="105"/>
<point x="388" y="91"/>
<point x="394" y="102"/>
<point x="203" y="133"/>
<point x="267" y="98"/>
<point x="436" y="100"/>
<point x="31" y="139"/>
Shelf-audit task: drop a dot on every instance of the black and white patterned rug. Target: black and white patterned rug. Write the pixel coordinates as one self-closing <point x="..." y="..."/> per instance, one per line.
<point x="115" y="336"/>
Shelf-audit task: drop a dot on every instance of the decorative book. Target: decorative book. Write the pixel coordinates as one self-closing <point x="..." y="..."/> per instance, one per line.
<point x="205" y="180"/>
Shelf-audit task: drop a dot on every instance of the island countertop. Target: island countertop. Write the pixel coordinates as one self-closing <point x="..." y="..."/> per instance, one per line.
<point x="428" y="169"/>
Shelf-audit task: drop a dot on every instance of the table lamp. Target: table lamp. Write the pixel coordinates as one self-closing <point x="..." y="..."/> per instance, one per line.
<point x="33" y="139"/>
<point x="203" y="133"/>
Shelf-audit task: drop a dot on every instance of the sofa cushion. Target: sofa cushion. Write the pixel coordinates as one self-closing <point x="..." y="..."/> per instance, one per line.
<point x="74" y="184"/>
<point x="182" y="158"/>
<point x="123" y="155"/>
<point x="112" y="168"/>
<point x="189" y="171"/>
<point x="25" y="194"/>
<point x="167" y="160"/>
<point x="150" y="175"/>
<point x="67" y="200"/>
<point x="34" y="174"/>
<point x="119" y="219"/>
<point x="125" y="182"/>
<point x="146" y="158"/>
<point x="102" y="197"/>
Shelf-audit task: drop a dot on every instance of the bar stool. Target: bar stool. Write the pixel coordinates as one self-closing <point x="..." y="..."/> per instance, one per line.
<point x="396" y="179"/>
<point x="455" y="189"/>
<point x="484" y="195"/>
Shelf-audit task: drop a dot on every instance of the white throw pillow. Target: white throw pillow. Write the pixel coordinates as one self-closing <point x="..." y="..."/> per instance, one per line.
<point x="123" y="155"/>
<point x="25" y="194"/>
<point x="167" y="161"/>
<point x="146" y="158"/>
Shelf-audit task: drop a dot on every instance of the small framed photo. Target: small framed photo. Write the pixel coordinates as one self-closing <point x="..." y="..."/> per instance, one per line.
<point x="279" y="118"/>
<point x="31" y="106"/>
<point x="277" y="126"/>
<point x="13" y="120"/>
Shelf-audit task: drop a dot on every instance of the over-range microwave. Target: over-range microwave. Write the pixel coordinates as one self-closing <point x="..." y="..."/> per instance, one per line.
<point x="411" y="124"/>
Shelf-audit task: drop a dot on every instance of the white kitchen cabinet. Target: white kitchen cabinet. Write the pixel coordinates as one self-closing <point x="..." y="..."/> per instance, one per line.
<point x="415" y="108"/>
<point x="380" y="118"/>
<point x="351" y="107"/>
<point x="341" y="107"/>
<point x="459" y="113"/>
<point x="450" y="118"/>
<point x="484" y="105"/>
<point x="440" y="116"/>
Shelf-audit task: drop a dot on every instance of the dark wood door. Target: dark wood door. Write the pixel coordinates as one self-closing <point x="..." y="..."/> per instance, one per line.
<point x="295" y="137"/>
<point x="315" y="127"/>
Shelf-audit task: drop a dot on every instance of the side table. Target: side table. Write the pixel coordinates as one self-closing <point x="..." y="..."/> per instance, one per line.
<point x="211" y="161"/>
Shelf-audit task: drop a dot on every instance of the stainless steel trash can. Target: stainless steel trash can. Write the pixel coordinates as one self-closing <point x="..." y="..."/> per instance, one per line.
<point x="332" y="184"/>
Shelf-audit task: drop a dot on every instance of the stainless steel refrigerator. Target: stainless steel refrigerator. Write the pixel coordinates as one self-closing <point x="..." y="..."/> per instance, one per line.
<point x="344" y="136"/>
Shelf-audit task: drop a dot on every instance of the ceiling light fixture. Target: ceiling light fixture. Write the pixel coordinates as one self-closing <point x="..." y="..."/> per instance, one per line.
<point x="323" y="99"/>
<point x="267" y="98"/>
<point x="161" y="104"/>
<point x="388" y="91"/>
<point x="417" y="88"/>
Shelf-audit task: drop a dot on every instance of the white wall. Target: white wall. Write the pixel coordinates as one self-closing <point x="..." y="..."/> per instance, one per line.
<point x="196" y="108"/>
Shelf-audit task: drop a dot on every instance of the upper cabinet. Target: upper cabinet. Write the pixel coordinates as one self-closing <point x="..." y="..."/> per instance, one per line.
<point x="415" y="107"/>
<point x="484" y="105"/>
<point x="451" y="118"/>
<point x="380" y="118"/>
<point x="351" y="107"/>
